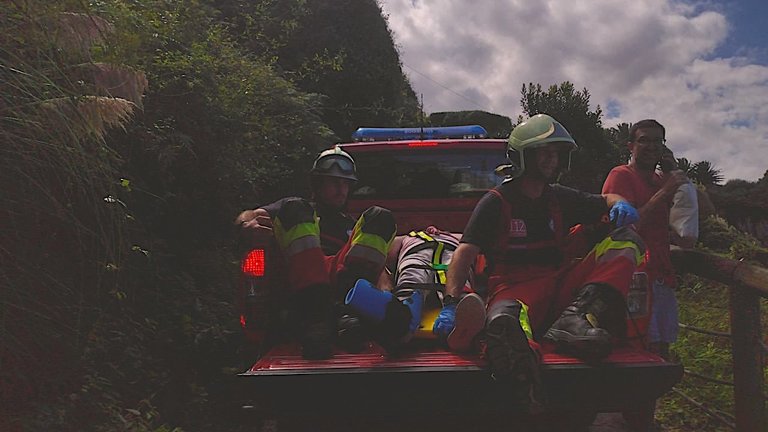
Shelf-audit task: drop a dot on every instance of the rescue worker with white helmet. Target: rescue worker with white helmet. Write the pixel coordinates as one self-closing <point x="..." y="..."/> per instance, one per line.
<point x="521" y="226"/>
<point x="325" y="250"/>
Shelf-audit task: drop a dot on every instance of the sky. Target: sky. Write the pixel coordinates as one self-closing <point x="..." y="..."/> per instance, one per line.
<point x="699" y="68"/>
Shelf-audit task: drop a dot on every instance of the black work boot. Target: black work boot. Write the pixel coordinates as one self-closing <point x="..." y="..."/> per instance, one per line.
<point x="351" y="335"/>
<point x="509" y="355"/>
<point x="586" y="327"/>
<point x="394" y="328"/>
<point x="316" y="309"/>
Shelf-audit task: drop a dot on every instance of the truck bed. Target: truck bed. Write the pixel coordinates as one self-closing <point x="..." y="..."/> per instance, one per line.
<point x="368" y="380"/>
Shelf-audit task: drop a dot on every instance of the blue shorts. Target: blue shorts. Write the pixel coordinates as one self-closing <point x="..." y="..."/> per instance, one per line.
<point x="663" y="326"/>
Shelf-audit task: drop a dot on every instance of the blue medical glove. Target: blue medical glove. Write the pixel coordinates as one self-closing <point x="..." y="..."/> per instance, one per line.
<point x="445" y="321"/>
<point x="622" y="213"/>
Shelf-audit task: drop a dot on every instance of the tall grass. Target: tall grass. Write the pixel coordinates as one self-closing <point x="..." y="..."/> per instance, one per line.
<point x="61" y="241"/>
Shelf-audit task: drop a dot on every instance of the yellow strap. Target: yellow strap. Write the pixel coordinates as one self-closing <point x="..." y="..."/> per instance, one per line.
<point x="422" y="235"/>
<point x="437" y="259"/>
<point x="437" y="256"/>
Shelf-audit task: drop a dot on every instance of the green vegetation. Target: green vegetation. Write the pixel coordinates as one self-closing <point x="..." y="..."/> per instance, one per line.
<point x="705" y="304"/>
<point x="132" y="134"/>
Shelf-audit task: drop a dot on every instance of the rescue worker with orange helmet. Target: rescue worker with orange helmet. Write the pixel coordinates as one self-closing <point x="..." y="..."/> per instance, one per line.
<point x="325" y="250"/>
<point x="521" y="226"/>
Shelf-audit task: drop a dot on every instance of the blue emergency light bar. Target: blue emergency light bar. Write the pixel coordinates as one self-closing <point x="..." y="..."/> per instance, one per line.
<point x="397" y="134"/>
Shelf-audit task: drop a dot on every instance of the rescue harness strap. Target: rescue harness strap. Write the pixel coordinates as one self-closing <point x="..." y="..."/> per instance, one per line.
<point x="437" y="257"/>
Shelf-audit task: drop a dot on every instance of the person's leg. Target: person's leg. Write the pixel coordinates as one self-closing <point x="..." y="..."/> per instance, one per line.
<point x="600" y="283"/>
<point x="664" y="325"/>
<point x="513" y="356"/>
<point x="364" y="254"/>
<point x="298" y="235"/>
<point x="362" y="257"/>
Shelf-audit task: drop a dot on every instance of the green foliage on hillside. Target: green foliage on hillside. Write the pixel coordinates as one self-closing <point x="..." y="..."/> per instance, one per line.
<point x="118" y="264"/>
<point x="344" y="50"/>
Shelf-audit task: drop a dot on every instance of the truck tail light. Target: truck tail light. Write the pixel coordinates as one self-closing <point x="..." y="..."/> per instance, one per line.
<point x="253" y="264"/>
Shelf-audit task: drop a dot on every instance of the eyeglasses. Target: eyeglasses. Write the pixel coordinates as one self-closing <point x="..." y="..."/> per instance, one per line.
<point x="344" y="164"/>
<point x="648" y="140"/>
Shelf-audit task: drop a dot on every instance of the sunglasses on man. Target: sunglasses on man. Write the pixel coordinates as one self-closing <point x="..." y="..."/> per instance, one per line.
<point x="651" y="141"/>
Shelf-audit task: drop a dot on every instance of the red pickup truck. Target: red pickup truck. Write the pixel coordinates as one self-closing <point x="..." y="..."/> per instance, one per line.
<point x="430" y="176"/>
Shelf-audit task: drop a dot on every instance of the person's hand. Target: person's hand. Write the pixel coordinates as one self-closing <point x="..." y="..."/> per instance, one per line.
<point x="673" y="180"/>
<point x="622" y="213"/>
<point x="445" y="321"/>
<point x="255" y="223"/>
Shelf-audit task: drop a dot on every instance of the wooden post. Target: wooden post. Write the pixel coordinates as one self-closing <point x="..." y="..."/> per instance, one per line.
<point x="747" y="284"/>
<point x="747" y="360"/>
<point x="725" y="270"/>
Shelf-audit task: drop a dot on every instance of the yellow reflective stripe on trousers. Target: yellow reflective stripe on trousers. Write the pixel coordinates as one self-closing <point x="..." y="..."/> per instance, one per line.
<point x="619" y="248"/>
<point x="525" y="323"/>
<point x="302" y="244"/>
<point x="285" y="238"/>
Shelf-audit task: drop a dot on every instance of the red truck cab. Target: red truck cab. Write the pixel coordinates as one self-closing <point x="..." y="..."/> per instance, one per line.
<point x="435" y="176"/>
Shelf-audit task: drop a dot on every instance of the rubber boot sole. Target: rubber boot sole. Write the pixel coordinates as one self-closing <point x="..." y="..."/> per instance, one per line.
<point x="470" y="320"/>
<point x="513" y="362"/>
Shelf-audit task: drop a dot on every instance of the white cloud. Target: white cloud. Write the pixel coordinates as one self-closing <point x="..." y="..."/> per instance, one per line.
<point x="651" y="59"/>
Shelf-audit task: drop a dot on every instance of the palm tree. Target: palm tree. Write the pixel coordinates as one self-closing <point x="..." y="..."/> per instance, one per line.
<point x="622" y="132"/>
<point x="618" y="136"/>
<point x="685" y="165"/>
<point x="706" y="174"/>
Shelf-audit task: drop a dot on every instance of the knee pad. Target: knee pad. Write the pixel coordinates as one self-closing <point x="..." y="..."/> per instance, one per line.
<point x="508" y="307"/>
<point x="295" y="211"/>
<point x="379" y="221"/>
<point x="627" y="233"/>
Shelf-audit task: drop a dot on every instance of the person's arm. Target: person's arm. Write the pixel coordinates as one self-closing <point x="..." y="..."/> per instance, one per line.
<point x="458" y="270"/>
<point x="479" y="234"/>
<point x="257" y="223"/>
<point x="663" y="197"/>
<point x="619" y="198"/>
<point x="611" y="199"/>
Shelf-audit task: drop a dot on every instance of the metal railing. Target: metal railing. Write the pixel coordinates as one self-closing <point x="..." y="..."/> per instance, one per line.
<point x="746" y="284"/>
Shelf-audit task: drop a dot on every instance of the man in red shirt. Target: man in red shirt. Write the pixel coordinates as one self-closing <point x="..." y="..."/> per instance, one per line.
<point x="651" y="192"/>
